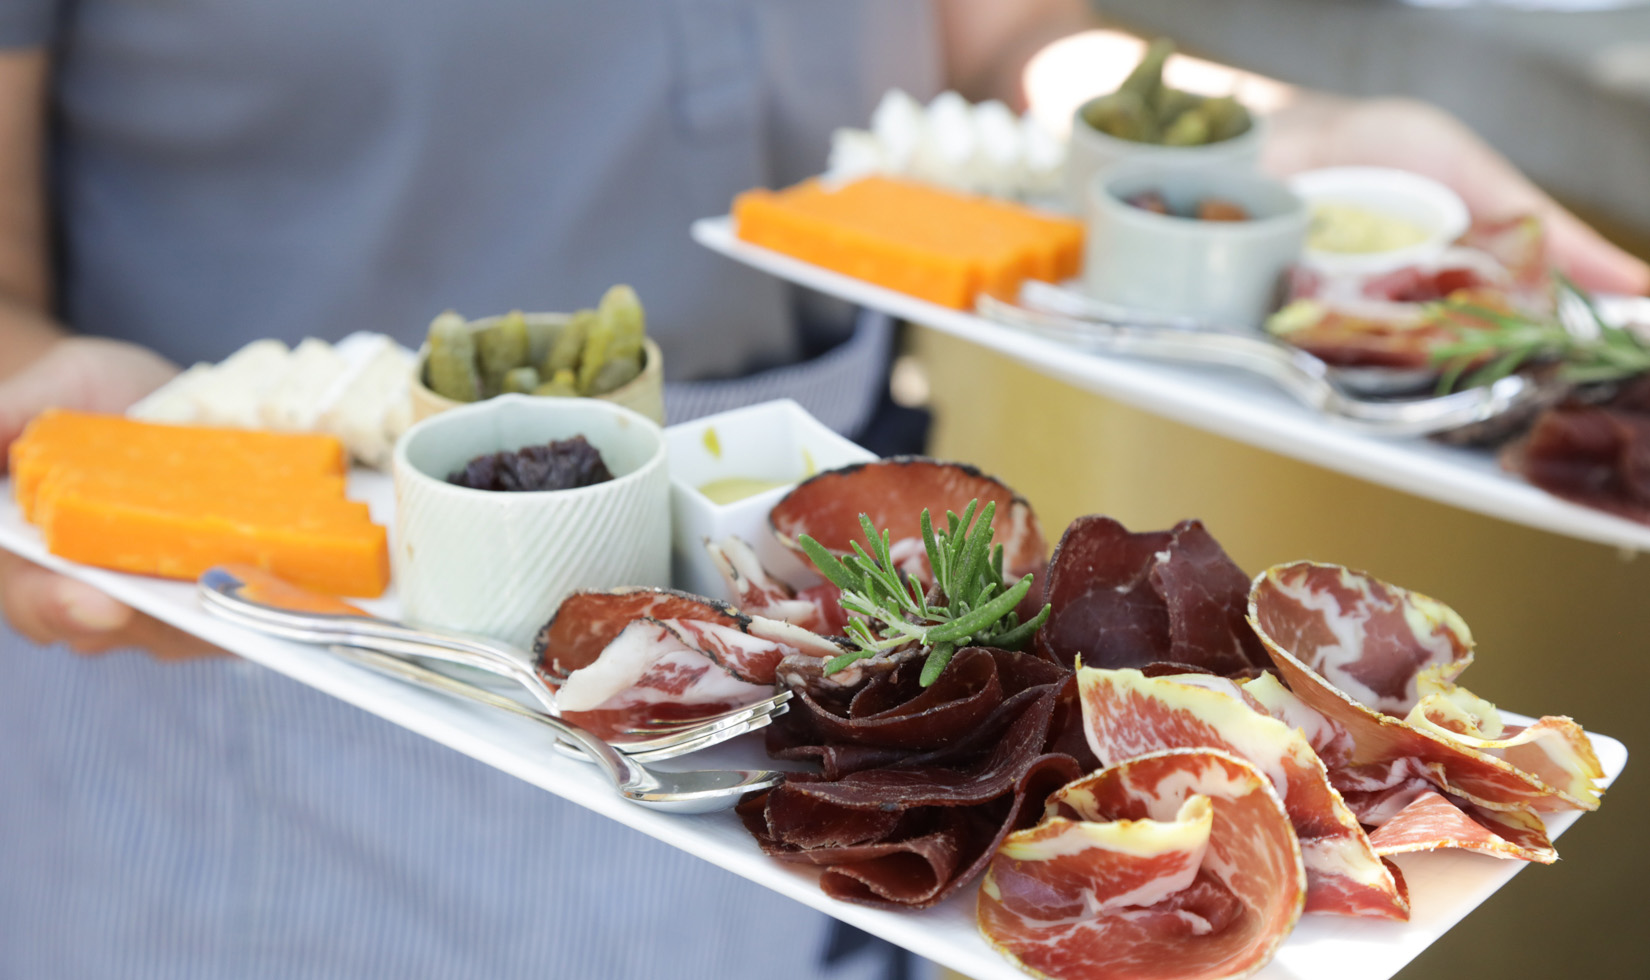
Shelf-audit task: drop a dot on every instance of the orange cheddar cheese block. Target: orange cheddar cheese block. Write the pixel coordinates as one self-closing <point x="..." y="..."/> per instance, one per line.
<point x="111" y="443"/>
<point x="175" y="500"/>
<point x="935" y="244"/>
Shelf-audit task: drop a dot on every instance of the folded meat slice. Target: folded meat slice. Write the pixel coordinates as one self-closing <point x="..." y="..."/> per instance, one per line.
<point x="893" y="493"/>
<point x="1433" y="822"/>
<point x="1365" y="653"/>
<point x="817" y="608"/>
<point x="1127" y="714"/>
<point x="1124" y="599"/>
<point x="1178" y="864"/>
<point x="652" y="671"/>
<point x="586" y="622"/>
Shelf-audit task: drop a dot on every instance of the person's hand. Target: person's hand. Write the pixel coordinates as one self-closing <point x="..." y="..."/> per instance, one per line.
<point x="93" y="375"/>
<point x="1323" y="131"/>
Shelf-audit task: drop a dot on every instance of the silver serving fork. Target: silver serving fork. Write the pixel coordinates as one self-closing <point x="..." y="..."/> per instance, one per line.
<point x="1304" y="377"/>
<point x="255" y="599"/>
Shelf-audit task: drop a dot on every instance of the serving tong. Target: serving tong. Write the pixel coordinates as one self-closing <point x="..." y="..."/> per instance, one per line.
<point x="257" y="600"/>
<point x="1090" y="325"/>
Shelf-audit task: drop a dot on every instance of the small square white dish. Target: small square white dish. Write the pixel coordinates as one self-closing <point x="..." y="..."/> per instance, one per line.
<point x="775" y="442"/>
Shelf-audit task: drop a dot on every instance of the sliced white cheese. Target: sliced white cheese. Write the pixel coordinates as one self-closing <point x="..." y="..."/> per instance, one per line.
<point x="233" y="394"/>
<point x="176" y="400"/>
<point x="294" y="403"/>
<point x="367" y="409"/>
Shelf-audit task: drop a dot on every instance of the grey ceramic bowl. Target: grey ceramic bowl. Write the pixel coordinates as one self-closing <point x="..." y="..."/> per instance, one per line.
<point x="1226" y="272"/>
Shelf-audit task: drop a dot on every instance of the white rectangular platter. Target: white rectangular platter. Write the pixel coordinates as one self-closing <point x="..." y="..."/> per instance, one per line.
<point x="1225" y="402"/>
<point x="1444" y="887"/>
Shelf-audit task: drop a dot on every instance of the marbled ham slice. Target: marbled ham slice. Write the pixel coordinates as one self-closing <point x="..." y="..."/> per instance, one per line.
<point x="586" y="622"/>
<point x="1355" y="648"/>
<point x="649" y="672"/>
<point x="893" y="493"/>
<point x="1432" y="822"/>
<point x="1122" y="599"/>
<point x="1127" y="714"/>
<point x="817" y="608"/>
<point x="1180" y="864"/>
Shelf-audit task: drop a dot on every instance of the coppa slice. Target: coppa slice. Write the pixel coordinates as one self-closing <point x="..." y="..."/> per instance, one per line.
<point x="651" y="672"/>
<point x="1127" y="714"/>
<point x="586" y="622"/>
<point x="1180" y="864"/>
<point x="1327" y="626"/>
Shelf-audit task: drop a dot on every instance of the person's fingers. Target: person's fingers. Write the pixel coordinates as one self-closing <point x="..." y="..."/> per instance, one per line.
<point x="1593" y="261"/>
<point x="49" y="608"/>
<point x="91" y="374"/>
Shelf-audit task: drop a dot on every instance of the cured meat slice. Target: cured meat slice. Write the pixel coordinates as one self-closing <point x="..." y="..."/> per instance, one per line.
<point x="920" y="784"/>
<point x="1121" y="599"/>
<point x="1432" y="822"/>
<point x="1597" y="456"/>
<point x="893" y="493"/>
<point x="749" y="658"/>
<point x="1356" y="649"/>
<point x="1127" y="715"/>
<point x="1180" y="864"/>
<point x="650" y="672"/>
<point x="586" y="622"/>
<point x="817" y="608"/>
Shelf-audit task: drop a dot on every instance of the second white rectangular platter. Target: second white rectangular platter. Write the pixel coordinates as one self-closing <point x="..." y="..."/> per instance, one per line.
<point x="1225" y="402"/>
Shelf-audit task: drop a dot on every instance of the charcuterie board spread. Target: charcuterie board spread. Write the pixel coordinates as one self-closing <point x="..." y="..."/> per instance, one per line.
<point x="1244" y="735"/>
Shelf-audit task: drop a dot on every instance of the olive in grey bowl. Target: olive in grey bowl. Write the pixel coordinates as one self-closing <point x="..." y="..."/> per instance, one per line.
<point x="1224" y="272"/>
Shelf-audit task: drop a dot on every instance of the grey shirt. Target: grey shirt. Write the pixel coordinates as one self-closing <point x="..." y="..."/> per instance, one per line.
<point x="231" y="169"/>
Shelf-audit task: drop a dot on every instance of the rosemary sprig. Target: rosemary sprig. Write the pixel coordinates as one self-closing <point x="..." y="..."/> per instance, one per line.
<point x="970" y="604"/>
<point x="1511" y="341"/>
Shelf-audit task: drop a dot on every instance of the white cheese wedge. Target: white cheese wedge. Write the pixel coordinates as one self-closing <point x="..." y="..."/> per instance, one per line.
<point x="176" y="400"/>
<point x="368" y="407"/>
<point x="233" y="394"/>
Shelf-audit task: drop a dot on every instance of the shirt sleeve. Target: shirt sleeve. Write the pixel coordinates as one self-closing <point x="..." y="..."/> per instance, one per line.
<point x="27" y="23"/>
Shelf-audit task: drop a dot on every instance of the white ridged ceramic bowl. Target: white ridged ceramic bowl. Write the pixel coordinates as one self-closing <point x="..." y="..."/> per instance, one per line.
<point x="500" y="563"/>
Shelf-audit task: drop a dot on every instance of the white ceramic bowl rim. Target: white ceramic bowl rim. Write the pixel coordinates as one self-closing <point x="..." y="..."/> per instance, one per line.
<point x="1255" y="192"/>
<point x="1388" y="189"/>
<point x="539" y="405"/>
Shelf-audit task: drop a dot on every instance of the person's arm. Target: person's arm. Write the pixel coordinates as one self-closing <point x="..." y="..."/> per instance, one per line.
<point x="42" y="366"/>
<point x="1326" y="131"/>
<point x="987" y="43"/>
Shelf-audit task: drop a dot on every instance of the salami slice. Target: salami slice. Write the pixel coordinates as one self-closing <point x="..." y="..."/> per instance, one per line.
<point x="1127" y="714"/>
<point x="1362" y="652"/>
<point x="1180" y="864"/>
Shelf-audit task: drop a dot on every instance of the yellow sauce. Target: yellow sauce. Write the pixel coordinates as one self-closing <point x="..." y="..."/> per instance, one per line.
<point x="713" y="443"/>
<point x="809" y="468"/>
<point x="1350" y="229"/>
<point x="729" y="489"/>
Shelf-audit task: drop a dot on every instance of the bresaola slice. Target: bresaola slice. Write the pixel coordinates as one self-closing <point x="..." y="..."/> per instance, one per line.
<point x="1123" y="599"/>
<point x="1127" y="715"/>
<point x="1360" y="651"/>
<point x="1179" y="864"/>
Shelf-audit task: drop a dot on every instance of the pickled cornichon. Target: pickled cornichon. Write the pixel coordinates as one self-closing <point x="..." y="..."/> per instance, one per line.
<point x="593" y="353"/>
<point x="1145" y="110"/>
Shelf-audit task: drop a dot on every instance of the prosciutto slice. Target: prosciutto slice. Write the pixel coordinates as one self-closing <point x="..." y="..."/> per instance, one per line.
<point x="1180" y="864"/>
<point x="1433" y="822"/>
<point x="1127" y="714"/>
<point x="1122" y="599"/>
<point x="1381" y="662"/>
<point x="651" y="671"/>
<point x="893" y="493"/>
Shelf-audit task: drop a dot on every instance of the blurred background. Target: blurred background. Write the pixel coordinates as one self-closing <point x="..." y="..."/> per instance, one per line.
<point x="1561" y="88"/>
